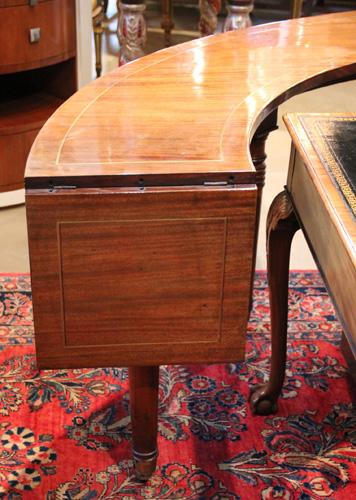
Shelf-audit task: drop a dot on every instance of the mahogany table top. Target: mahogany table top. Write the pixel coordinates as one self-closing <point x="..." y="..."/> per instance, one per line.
<point x="190" y="110"/>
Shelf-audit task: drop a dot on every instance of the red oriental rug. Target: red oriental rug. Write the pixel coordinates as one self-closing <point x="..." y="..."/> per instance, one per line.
<point x="66" y="434"/>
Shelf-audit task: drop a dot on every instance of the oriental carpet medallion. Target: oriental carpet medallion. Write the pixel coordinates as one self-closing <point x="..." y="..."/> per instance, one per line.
<point x="65" y="434"/>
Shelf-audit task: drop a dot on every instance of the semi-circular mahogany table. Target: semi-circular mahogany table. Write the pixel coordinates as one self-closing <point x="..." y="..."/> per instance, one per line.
<point x="143" y="195"/>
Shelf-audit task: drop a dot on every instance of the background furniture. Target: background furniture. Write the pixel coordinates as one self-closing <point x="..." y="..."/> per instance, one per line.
<point x="98" y="13"/>
<point x="132" y="24"/>
<point x="37" y="73"/>
<point x="236" y="15"/>
<point x="320" y="198"/>
<point x="151" y="178"/>
<point x="279" y="9"/>
<point x="297" y="6"/>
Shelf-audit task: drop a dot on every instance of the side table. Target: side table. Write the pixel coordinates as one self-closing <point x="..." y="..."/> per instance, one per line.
<point x="320" y="198"/>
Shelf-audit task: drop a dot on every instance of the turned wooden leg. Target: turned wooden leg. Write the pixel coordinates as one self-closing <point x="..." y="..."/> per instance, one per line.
<point x="167" y="23"/>
<point x="238" y="14"/>
<point x="297" y="7"/>
<point x="281" y="226"/>
<point x="209" y="10"/>
<point x="97" y="22"/>
<point x="131" y="30"/>
<point x="258" y="155"/>
<point x="144" y="409"/>
<point x="98" y="34"/>
<point x="105" y="6"/>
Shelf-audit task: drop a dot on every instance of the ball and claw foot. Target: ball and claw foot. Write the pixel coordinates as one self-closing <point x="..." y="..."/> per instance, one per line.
<point x="262" y="402"/>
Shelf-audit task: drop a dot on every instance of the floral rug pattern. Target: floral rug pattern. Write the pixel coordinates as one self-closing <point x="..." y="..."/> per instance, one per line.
<point x="65" y="434"/>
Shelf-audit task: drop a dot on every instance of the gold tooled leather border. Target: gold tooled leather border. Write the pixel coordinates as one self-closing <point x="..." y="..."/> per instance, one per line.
<point x="312" y="126"/>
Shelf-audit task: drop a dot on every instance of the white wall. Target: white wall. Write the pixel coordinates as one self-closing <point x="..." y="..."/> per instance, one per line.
<point x="84" y="41"/>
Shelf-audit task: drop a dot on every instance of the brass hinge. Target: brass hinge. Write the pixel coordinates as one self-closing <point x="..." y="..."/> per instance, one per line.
<point x="52" y="187"/>
<point x="215" y="183"/>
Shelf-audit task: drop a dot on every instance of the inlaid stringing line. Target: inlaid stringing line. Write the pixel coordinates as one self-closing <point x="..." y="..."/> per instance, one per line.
<point x="59" y="152"/>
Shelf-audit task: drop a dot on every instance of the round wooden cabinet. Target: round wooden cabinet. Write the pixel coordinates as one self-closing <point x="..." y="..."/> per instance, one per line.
<point x="37" y="73"/>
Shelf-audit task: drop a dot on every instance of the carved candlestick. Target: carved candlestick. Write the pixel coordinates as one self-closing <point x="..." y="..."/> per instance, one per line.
<point x="238" y="14"/>
<point x="131" y="30"/>
<point x="209" y="10"/>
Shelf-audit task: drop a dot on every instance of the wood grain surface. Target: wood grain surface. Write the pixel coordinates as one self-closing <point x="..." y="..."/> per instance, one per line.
<point x="192" y="109"/>
<point x="125" y="277"/>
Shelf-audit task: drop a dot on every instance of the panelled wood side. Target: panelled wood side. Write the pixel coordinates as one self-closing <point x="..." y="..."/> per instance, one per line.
<point x="146" y="267"/>
<point x="130" y="277"/>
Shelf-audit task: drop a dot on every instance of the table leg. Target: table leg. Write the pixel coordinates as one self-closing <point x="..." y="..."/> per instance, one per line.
<point x="258" y="155"/>
<point x="297" y="8"/>
<point x="281" y="226"/>
<point x="167" y="23"/>
<point x="144" y="383"/>
<point x="209" y="10"/>
<point x="131" y="30"/>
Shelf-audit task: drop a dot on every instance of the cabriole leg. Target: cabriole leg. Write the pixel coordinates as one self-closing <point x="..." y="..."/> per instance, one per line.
<point x="281" y="227"/>
<point x="144" y="381"/>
